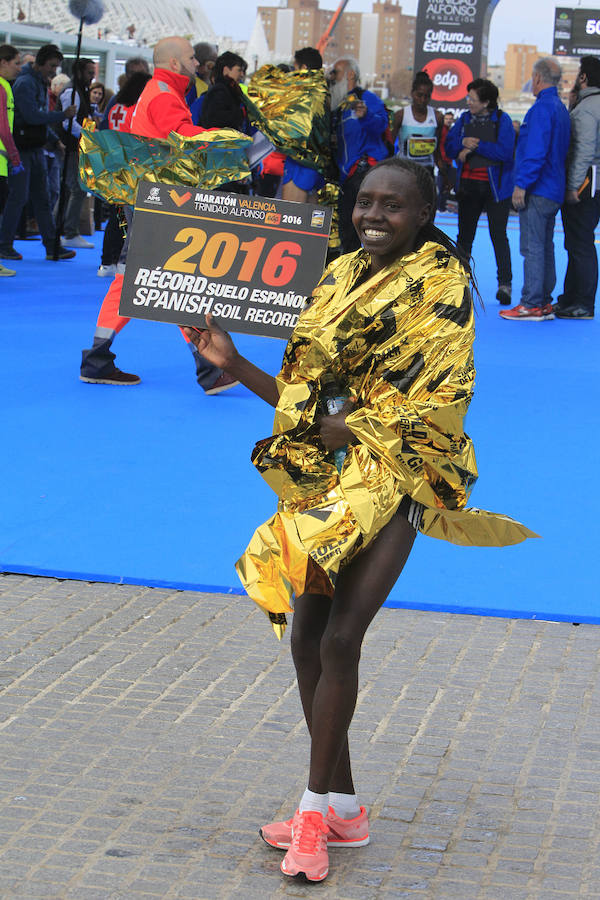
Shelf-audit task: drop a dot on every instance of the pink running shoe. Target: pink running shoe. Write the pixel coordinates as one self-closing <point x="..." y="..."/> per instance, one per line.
<point x="347" y="832"/>
<point x="342" y="832"/>
<point x="308" y="850"/>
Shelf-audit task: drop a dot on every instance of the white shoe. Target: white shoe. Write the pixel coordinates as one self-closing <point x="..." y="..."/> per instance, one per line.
<point x="78" y="241"/>
<point x="105" y="271"/>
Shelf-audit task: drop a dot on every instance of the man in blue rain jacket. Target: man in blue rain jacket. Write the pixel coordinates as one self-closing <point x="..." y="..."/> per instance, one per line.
<point x="359" y="122"/>
<point x="539" y="191"/>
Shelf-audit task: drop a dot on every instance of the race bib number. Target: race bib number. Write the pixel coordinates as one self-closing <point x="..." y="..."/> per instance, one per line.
<point x="418" y="146"/>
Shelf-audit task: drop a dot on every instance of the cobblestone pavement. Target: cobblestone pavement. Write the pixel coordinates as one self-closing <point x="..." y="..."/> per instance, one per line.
<point x="145" y="735"/>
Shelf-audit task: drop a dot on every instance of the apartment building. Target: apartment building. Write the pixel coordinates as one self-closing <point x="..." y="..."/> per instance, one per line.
<point x="518" y="63"/>
<point x="383" y="41"/>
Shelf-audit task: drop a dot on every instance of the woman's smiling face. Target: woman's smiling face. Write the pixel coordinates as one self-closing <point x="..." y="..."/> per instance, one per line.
<point x="388" y="214"/>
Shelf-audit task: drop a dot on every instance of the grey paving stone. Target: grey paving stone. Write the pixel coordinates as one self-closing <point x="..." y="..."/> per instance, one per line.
<point x="151" y="732"/>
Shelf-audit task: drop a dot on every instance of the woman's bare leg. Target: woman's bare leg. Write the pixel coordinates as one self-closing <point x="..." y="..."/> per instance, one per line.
<point x="361" y="589"/>
<point x="290" y="191"/>
<point x="310" y="620"/>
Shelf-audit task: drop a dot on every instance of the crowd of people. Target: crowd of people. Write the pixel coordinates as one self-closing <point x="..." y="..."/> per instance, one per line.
<point x="482" y="160"/>
<point x="540" y="166"/>
<point x="42" y="113"/>
<point x="390" y="324"/>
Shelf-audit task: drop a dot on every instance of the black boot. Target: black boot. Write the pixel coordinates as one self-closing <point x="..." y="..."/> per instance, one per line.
<point x="98" y="367"/>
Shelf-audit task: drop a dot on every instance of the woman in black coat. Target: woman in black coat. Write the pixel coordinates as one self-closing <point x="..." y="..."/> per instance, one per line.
<point x="223" y="106"/>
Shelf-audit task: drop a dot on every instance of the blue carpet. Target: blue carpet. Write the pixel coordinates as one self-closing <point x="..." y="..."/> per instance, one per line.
<point x="153" y="484"/>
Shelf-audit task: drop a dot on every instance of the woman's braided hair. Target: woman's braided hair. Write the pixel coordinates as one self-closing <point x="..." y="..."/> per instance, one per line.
<point x="426" y="188"/>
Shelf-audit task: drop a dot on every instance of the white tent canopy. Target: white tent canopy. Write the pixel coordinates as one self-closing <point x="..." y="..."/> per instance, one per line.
<point x="151" y="19"/>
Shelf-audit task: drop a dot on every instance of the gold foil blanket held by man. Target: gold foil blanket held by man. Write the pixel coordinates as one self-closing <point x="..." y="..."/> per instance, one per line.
<point x="401" y="346"/>
<point x="112" y="163"/>
<point x="293" y="110"/>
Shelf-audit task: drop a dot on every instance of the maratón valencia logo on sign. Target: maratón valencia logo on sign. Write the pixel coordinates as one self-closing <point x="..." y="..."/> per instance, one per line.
<point x="180" y="199"/>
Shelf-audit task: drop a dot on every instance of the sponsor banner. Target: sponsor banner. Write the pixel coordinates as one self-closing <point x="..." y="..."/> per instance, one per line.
<point x="576" y="32"/>
<point x="250" y="261"/>
<point x="451" y="45"/>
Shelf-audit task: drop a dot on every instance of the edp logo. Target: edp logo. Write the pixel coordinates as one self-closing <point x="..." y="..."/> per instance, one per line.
<point x="448" y="79"/>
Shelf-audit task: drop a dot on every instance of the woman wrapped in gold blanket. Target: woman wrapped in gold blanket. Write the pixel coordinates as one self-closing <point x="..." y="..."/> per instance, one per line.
<point x="368" y="449"/>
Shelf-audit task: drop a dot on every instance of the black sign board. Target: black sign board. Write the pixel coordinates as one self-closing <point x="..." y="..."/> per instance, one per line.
<point x="451" y="45"/>
<point x="249" y="261"/>
<point x="576" y="32"/>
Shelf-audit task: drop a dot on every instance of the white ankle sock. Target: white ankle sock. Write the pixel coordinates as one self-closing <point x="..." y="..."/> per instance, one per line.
<point x="312" y="802"/>
<point x="344" y="805"/>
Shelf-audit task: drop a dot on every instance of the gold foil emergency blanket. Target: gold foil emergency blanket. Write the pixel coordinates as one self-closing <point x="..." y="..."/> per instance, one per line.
<point x="293" y="110"/>
<point x="329" y="195"/>
<point x="112" y="163"/>
<point x="401" y="344"/>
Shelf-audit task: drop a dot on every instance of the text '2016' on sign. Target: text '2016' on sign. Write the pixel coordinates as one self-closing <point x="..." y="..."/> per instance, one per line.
<point x="250" y="261"/>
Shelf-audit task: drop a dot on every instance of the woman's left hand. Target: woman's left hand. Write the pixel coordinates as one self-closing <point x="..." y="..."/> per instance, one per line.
<point x="333" y="430"/>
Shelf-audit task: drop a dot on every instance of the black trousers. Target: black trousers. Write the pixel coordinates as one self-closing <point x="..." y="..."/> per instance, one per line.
<point x="112" y="243"/>
<point x="267" y="185"/>
<point x="581" y="279"/>
<point x="3" y="190"/>
<point x="475" y="197"/>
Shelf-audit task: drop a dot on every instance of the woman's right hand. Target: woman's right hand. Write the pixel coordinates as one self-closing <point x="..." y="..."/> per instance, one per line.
<point x="216" y="346"/>
<point x="213" y="343"/>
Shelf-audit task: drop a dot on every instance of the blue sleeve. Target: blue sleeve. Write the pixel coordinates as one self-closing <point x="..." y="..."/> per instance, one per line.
<point x="454" y="138"/>
<point x="534" y="140"/>
<point x="503" y="149"/>
<point x="376" y="119"/>
<point x="27" y="102"/>
<point x="191" y="97"/>
<point x="373" y="123"/>
<point x="196" y="108"/>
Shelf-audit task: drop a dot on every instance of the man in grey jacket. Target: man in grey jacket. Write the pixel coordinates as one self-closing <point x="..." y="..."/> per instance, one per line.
<point x="581" y="210"/>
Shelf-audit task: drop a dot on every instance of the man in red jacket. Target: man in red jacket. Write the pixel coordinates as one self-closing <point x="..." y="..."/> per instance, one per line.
<point x="160" y="110"/>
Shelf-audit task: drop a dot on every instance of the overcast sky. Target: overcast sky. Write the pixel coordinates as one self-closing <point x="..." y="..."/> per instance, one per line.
<point x="513" y="21"/>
